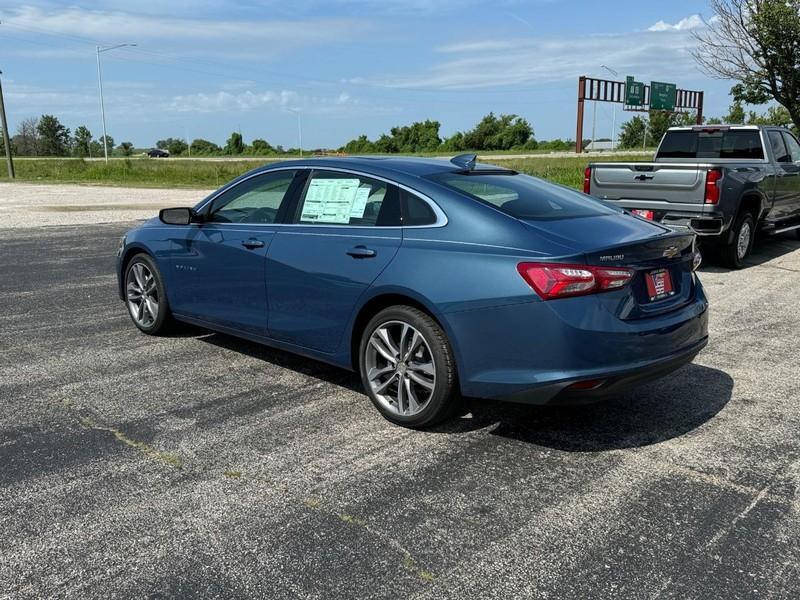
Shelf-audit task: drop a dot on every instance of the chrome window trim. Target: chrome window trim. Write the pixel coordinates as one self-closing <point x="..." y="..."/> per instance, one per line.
<point x="441" y="217"/>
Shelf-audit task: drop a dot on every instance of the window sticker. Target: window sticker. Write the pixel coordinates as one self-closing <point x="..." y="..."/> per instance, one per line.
<point x="330" y="200"/>
<point x="360" y="202"/>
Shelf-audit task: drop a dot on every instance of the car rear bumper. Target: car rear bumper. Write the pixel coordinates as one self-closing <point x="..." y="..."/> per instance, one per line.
<point x="533" y="352"/>
<point x="613" y="382"/>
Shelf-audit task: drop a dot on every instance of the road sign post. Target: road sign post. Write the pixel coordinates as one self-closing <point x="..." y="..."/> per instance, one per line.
<point x="636" y="96"/>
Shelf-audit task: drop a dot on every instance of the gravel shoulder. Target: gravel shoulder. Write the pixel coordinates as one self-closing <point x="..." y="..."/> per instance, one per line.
<point x="37" y="205"/>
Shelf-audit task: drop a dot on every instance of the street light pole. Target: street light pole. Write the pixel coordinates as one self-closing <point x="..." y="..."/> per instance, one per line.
<point x="100" y="85"/>
<point x="614" y="110"/>
<point x="6" y="139"/>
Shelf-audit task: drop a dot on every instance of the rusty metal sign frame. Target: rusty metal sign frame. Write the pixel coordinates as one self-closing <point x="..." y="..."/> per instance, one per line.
<point x="606" y="90"/>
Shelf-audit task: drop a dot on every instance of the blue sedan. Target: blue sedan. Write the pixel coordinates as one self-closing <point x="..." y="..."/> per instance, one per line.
<point x="432" y="279"/>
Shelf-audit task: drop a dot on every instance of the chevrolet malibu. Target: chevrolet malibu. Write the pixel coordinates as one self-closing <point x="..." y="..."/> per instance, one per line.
<point x="432" y="279"/>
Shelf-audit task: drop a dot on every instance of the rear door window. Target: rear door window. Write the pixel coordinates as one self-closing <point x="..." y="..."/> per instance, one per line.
<point x="779" y="150"/>
<point x="524" y="197"/>
<point x="792" y="146"/>
<point x="339" y="198"/>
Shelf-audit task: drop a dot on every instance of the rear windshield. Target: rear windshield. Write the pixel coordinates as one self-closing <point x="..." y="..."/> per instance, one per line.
<point x="719" y="143"/>
<point x="524" y="197"/>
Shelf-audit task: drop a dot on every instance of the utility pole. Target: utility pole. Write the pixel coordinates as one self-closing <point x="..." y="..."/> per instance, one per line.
<point x="6" y="140"/>
<point x="100" y="85"/>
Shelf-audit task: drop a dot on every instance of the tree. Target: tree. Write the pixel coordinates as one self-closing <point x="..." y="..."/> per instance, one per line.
<point x="755" y="42"/>
<point x="735" y="114"/>
<point x="82" y="142"/>
<point x="260" y="146"/>
<point x="360" y="145"/>
<point x="126" y="148"/>
<point x="632" y="134"/>
<point x="421" y="136"/>
<point x="109" y="143"/>
<point x="455" y="143"/>
<point x="201" y="146"/>
<point x="234" y="145"/>
<point x="54" y="138"/>
<point x="498" y="133"/>
<point x="174" y="146"/>
<point x="26" y="140"/>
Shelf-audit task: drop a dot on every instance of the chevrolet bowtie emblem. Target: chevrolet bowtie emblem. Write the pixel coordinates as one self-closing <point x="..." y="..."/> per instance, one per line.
<point x="671" y="252"/>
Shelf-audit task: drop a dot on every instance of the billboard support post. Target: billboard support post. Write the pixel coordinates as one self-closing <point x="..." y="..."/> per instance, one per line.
<point x="670" y="99"/>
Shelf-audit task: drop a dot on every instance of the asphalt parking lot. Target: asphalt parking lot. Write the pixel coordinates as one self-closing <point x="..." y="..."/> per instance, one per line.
<point x="199" y="465"/>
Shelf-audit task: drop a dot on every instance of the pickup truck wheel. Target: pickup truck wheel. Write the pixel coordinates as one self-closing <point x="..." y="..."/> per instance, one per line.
<point x="741" y="241"/>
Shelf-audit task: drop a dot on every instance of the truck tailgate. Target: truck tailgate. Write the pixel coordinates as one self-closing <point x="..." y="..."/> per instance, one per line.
<point x="681" y="183"/>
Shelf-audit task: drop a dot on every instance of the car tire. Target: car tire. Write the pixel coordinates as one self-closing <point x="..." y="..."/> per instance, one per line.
<point x="146" y="297"/>
<point x="740" y="243"/>
<point x="407" y="367"/>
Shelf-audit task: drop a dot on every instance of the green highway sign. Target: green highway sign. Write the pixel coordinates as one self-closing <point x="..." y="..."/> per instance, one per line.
<point x="634" y="92"/>
<point x="663" y="95"/>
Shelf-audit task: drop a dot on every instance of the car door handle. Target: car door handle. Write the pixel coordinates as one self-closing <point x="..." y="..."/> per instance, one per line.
<point x="361" y="252"/>
<point x="252" y="243"/>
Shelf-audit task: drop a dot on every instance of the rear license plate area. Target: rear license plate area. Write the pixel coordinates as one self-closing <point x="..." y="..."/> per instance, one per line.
<point x="659" y="285"/>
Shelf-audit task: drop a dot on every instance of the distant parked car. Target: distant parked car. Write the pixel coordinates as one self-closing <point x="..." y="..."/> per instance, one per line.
<point x="157" y="153"/>
<point x="431" y="278"/>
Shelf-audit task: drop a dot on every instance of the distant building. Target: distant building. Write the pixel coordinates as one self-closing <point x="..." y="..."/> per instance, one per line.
<point x="600" y="146"/>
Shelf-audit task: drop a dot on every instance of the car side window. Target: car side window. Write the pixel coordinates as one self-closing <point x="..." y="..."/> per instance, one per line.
<point x="416" y="212"/>
<point x="338" y="198"/>
<point x="778" y="147"/>
<point x="793" y="147"/>
<point x="255" y="200"/>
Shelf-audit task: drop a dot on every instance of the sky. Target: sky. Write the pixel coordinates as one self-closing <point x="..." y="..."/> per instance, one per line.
<point x="202" y="69"/>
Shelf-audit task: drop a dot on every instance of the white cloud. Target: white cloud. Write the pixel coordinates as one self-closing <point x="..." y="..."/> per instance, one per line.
<point x="690" y="22"/>
<point x="262" y="36"/>
<point x="494" y="63"/>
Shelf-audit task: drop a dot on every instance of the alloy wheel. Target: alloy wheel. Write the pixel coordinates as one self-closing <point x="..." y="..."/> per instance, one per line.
<point x="743" y="241"/>
<point x="142" y="294"/>
<point x="400" y="368"/>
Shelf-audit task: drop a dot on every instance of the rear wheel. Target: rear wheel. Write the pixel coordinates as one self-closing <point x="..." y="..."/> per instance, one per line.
<point x="741" y="242"/>
<point x="407" y="367"/>
<point x="145" y="295"/>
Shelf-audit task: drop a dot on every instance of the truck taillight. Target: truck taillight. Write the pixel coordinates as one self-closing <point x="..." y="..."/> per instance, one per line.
<point x="713" y="178"/>
<point x="587" y="180"/>
<point x="555" y="280"/>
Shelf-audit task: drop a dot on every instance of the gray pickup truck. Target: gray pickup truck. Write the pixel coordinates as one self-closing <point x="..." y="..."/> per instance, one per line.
<point x="722" y="182"/>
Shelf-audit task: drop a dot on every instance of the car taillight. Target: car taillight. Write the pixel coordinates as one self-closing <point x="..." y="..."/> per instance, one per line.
<point x="713" y="178"/>
<point x="555" y="280"/>
<point x="587" y="180"/>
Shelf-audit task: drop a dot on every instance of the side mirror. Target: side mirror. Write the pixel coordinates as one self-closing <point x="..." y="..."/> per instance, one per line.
<point x="176" y="216"/>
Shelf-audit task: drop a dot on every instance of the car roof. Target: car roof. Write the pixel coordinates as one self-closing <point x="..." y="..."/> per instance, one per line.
<point x="388" y="165"/>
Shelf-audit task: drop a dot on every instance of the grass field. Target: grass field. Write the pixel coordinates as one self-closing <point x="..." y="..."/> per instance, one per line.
<point x="209" y="174"/>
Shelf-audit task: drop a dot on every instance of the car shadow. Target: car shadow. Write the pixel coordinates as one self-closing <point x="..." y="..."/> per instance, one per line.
<point x="653" y="413"/>
<point x="656" y="412"/>
<point x="765" y="249"/>
<point x="280" y="358"/>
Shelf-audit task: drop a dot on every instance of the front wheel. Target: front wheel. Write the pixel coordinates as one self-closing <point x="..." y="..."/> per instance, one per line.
<point x="145" y="296"/>
<point x="407" y="367"/>
<point x="743" y="235"/>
